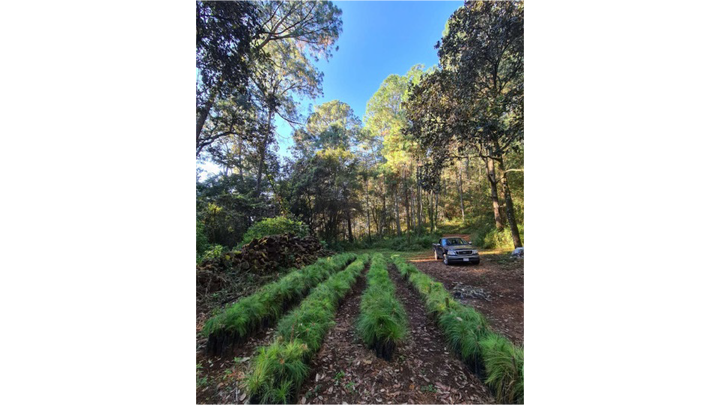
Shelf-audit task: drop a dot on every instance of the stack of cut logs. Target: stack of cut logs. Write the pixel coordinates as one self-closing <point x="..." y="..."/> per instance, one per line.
<point x="260" y="256"/>
<point x="207" y="282"/>
<point x="269" y="253"/>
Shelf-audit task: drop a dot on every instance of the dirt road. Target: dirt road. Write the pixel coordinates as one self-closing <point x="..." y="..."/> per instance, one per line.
<point x="495" y="287"/>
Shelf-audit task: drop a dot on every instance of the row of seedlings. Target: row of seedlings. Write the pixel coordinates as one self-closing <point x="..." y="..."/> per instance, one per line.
<point x="382" y="323"/>
<point x="278" y="370"/>
<point x="493" y="357"/>
<point x="263" y="308"/>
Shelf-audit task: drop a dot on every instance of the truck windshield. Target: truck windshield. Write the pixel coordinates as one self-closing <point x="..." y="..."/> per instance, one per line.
<point x="454" y="241"/>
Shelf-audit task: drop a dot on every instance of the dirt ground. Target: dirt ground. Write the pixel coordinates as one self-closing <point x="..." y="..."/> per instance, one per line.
<point x="224" y="373"/>
<point x="498" y="279"/>
<point x="422" y="369"/>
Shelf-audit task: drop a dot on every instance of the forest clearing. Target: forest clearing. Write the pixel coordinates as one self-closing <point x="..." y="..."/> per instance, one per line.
<point x="318" y="278"/>
<point x="423" y="368"/>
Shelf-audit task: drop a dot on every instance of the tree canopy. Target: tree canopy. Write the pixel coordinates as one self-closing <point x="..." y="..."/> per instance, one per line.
<point x="435" y="145"/>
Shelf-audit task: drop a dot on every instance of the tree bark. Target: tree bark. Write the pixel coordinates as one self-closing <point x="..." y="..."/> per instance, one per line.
<point x="367" y="205"/>
<point x="460" y="189"/>
<point x="349" y="224"/>
<point x="437" y="204"/>
<point x="383" y="220"/>
<point x="509" y="209"/>
<point x="419" y="195"/>
<point x="376" y="220"/>
<point x="490" y="165"/>
<point x="413" y="223"/>
<point x="240" y="163"/>
<point x="397" y="210"/>
<point x="408" y="218"/>
<point x="263" y="149"/>
<point x="203" y="113"/>
<point x="431" y="214"/>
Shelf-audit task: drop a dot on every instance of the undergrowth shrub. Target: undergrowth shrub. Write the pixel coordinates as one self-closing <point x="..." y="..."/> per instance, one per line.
<point x="493" y="357"/>
<point x="505" y="365"/>
<point x="407" y="242"/>
<point x="247" y="314"/>
<point x="279" y="369"/>
<point x="201" y="241"/>
<point x="382" y="322"/>
<point x="213" y="252"/>
<point x="275" y="226"/>
<point x="490" y="238"/>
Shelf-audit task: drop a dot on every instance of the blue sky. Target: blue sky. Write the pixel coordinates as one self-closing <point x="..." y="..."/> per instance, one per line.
<point x="379" y="38"/>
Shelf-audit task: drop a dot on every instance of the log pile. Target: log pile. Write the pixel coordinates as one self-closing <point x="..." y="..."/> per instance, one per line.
<point x="208" y="282"/>
<point x="260" y="256"/>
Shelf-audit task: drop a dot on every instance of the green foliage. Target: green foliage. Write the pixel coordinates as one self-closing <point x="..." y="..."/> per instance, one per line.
<point x="201" y="240"/>
<point x="333" y="125"/>
<point x="468" y="334"/>
<point x="200" y="380"/>
<point x="275" y="226"/>
<point x="224" y="55"/>
<point x="214" y="252"/>
<point x="412" y="242"/>
<point x="464" y="327"/>
<point x="404" y="268"/>
<point x="224" y="206"/>
<point x="505" y="365"/>
<point x="244" y="316"/>
<point x="279" y="369"/>
<point x="260" y="53"/>
<point x="493" y="239"/>
<point x="314" y="317"/>
<point x="405" y="243"/>
<point x="428" y="388"/>
<point x="382" y="322"/>
<point x="385" y="118"/>
<point x="324" y="183"/>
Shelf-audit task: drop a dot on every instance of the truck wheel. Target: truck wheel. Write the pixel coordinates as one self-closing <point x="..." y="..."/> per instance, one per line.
<point x="445" y="259"/>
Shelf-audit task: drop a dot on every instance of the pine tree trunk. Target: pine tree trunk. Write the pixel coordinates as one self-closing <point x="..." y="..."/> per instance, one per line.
<point x="430" y="210"/>
<point x="413" y="223"/>
<point x="509" y="209"/>
<point x="263" y="149"/>
<point x="239" y="156"/>
<point x="204" y="112"/>
<point x="408" y="218"/>
<point x="418" y="192"/>
<point x="460" y="189"/>
<point x="397" y="211"/>
<point x="367" y="204"/>
<point x="376" y="220"/>
<point x="437" y="204"/>
<point x="349" y="224"/>
<point x="384" y="211"/>
<point x="490" y="165"/>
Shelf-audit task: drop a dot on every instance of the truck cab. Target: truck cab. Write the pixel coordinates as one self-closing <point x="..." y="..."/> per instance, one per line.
<point x="455" y="250"/>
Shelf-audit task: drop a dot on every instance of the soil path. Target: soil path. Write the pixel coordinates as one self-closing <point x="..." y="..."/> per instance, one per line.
<point x="224" y="373"/>
<point x="422" y="370"/>
<point x="495" y="287"/>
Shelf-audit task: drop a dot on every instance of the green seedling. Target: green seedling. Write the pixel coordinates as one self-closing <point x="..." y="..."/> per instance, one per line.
<point x="428" y="388"/>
